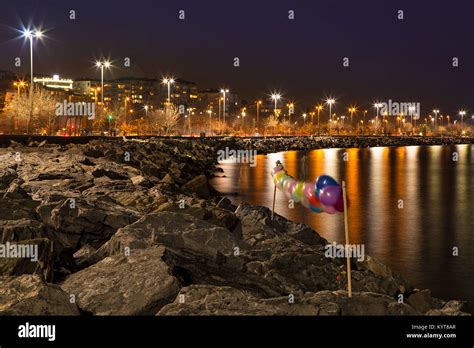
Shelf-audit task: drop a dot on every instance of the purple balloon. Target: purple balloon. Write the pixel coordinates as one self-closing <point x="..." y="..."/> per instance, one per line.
<point x="323" y="181"/>
<point x="329" y="195"/>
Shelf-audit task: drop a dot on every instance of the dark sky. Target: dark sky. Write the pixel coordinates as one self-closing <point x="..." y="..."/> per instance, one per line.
<point x="408" y="60"/>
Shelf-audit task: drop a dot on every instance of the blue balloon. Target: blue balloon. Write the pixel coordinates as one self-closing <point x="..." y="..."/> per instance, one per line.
<point x="323" y="181"/>
<point x="315" y="209"/>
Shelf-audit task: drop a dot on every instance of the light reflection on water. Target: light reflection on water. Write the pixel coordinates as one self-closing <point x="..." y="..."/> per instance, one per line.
<point x="436" y="192"/>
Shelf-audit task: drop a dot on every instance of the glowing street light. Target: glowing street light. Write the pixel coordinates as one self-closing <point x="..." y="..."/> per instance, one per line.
<point x="377" y="106"/>
<point x="168" y="81"/>
<point x="224" y="92"/>
<point x="330" y="102"/>
<point x="435" y="112"/>
<point x="30" y="35"/>
<point x="319" y="108"/>
<point x="146" y="107"/>
<point x="19" y="84"/>
<point x="275" y="97"/>
<point x="105" y="64"/>
<point x="258" y="102"/>
<point x="462" y="113"/>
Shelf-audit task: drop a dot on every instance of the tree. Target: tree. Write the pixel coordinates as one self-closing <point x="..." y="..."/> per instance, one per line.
<point x="44" y="106"/>
<point x="165" y="121"/>
<point x="271" y="122"/>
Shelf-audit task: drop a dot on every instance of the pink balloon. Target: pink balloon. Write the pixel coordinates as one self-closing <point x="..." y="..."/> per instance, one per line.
<point x="308" y="190"/>
<point x="289" y="186"/>
<point x="276" y="170"/>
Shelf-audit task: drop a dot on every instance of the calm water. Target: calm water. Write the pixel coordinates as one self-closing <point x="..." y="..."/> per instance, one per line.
<point x="418" y="240"/>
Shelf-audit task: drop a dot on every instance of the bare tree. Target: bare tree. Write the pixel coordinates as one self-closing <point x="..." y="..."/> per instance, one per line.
<point x="44" y="105"/>
<point x="271" y="122"/>
<point x="165" y="121"/>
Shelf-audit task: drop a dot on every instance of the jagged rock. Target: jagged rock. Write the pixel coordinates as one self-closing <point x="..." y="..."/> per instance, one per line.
<point x="80" y="222"/>
<point x="6" y="177"/>
<point x="451" y="308"/>
<point x="258" y="227"/>
<point x="21" y="229"/>
<point x="138" y="284"/>
<point x="41" y="263"/>
<point x="173" y="229"/>
<point x="198" y="185"/>
<point x="29" y="295"/>
<point x="222" y="300"/>
<point x="100" y="172"/>
<point x="421" y="300"/>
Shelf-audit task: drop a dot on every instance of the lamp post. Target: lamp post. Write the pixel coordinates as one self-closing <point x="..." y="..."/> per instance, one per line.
<point x="275" y="97"/>
<point x="330" y="102"/>
<point x="319" y="108"/>
<point x="462" y="113"/>
<point x="126" y="100"/>
<point x="435" y="112"/>
<point x="168" y="82"/>
<point x="377" y="107"/>
<point x="105" y="64"/>
<point x="259" y="102"/>
<point x="30" y="35"/>
<point x="19" y="84"/>
<point x="224" y="92"/>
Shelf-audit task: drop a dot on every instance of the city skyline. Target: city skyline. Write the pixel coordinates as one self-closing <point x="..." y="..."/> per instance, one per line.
<point x="428" y="79"/>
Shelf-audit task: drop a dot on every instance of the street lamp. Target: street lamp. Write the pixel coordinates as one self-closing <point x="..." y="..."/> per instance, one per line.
<point x="259" y="102"/>
<point x="319" y="108"/>
<point x="276" y="97"/>
<point x="168" y="81"/>
<point x="330" y="102"/>
<point x="19" y="84"/>
<point x="126" y="100"/>
<point x="462" y="113"/>
<point x="352" y="110"/>
<point x="435" y="112"/>
<point x="104" y="64"/>
<point x="377" y="106"/>
<point x="30" y="35"/>
<point x="224" y="92"/>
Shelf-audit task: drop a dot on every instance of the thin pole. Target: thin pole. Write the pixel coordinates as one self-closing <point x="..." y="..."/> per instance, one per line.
<point x="31" y="85"/>
<point x="274" y="197"/>
<point x="349" y="285"/>
<point x="102" y="82"/>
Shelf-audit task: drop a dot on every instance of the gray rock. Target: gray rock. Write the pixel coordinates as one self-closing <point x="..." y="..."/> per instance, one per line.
<point x="198" y="185"/>
<point x="139" y="284"/>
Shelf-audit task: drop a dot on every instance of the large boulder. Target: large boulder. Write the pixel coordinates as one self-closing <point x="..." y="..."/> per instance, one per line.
<point x="137" y="284"/>
<point x="177" y="230"/>
<point x="30" y="295"/>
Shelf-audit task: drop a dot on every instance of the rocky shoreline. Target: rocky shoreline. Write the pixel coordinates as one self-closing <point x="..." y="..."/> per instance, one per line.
<point x="133" y="228"/>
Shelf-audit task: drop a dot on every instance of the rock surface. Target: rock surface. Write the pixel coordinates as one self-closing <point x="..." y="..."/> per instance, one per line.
<point x="133" y="228"/>
<point x="29" y="295"/>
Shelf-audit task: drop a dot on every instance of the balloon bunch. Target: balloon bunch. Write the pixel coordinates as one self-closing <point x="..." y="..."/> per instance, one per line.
<point x="324" y="195"/>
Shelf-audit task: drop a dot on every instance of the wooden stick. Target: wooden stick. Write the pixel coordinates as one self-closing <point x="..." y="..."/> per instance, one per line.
<point x="344" y="195"/>
<point x="274" y="197"/>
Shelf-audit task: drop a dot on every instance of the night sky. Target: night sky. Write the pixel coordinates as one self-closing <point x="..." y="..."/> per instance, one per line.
<point x="408" y="60"/>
